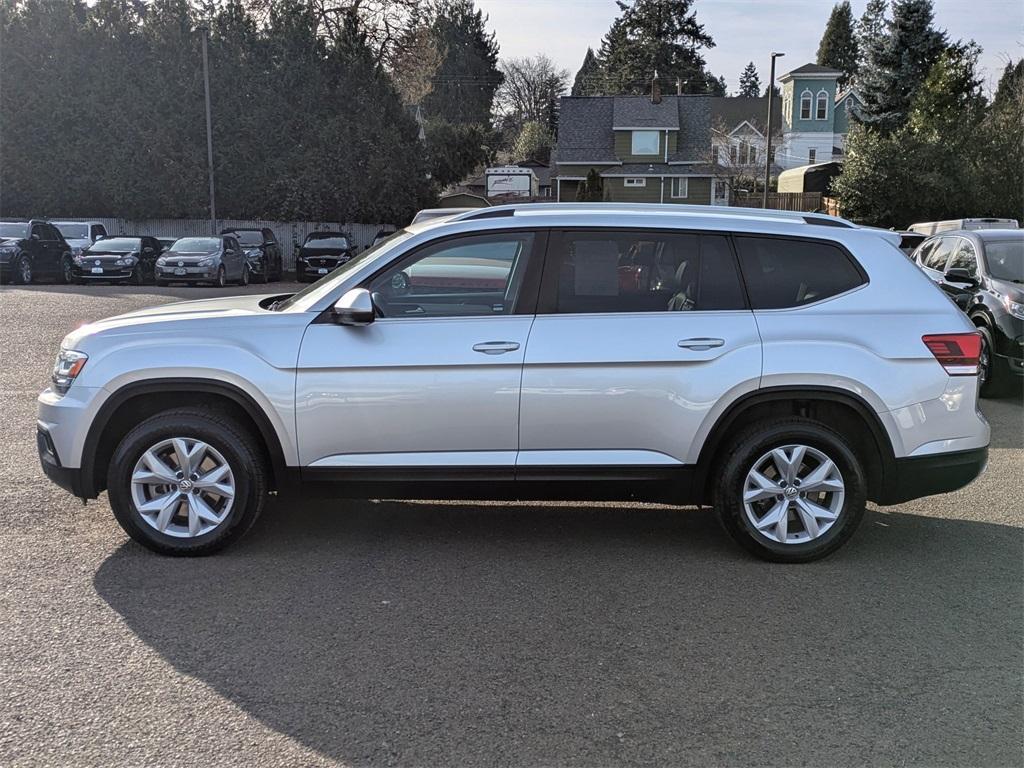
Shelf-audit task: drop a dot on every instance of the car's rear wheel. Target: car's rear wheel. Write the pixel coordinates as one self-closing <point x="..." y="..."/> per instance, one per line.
<point x="791" y="490"/>
<point x="187" y="481"/>
<point x="994" y="375"/>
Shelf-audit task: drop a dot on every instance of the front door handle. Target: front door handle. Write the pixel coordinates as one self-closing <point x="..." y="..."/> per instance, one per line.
<point x="701" y="343"/>
<point x="496" y="347"/>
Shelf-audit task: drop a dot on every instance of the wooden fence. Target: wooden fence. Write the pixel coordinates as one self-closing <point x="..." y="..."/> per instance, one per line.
<point x="783" y="201"/>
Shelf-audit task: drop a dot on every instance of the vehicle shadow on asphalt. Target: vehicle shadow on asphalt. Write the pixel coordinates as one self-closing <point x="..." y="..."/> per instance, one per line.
<point x="465" y="634"/>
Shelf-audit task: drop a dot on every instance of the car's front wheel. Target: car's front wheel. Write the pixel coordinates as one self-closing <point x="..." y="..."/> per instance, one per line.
<point x="187" y="481"/>
<point x="244" y="279"/>
<point x="67" y="270"/>
<point x="23" y="270"/>
<point x="995" y="378"/>
<point x="791" y="490"/>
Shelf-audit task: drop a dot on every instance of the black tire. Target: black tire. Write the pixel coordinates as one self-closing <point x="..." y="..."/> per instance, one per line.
<point x="995" y="379"/>
<point x="750" y="446"/>
<point x="137" y="277"/>
<point x="231" y="439"/>
<point x="67" y="271"/>
<point x="244" y="279"/>
<point x="222" y="277"/>
<point x="263" y="276"/>
<point x="23" y="271"/>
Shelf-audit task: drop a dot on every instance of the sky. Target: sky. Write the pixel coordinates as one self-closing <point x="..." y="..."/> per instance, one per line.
<point x="743" y="30"/>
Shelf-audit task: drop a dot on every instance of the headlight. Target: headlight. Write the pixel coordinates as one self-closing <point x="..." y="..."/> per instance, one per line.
<point x="205" y="263"/>
<point x="126" y="261"/>
<point x="161" y="262"/>
<point x="78" y="257"/>
<point x="69" y="364"/>
<point x="253" y="252"/>
<point x="1015" y="308"/>
<point x="8" y="251"/>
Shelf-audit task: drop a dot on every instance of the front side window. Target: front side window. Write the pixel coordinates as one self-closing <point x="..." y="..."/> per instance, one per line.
<point x="639" y="182"/>
<point x="680" y="187"/>
<point x="812" y="155"/>
<point x="822" y="107"/>
<point x="964" y="257"/>
<point x="98" y="231"/>
<point x="645" y="142"/>
<point x="939" y="255"/>
<point x="783" y="273"/>
<point x="805" y="105"/>
<point x="636" y="271"/>
<point x="464" y="277"/>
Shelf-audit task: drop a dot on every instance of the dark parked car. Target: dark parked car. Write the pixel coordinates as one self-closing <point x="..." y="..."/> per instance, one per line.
<point x="262" y="251"/>
<point x="322" y="253"/>
<point x="218" y="260"/>
<point x="984" y="271"/>
<point x="30" y="250"/>
<point x="120" y="259"/>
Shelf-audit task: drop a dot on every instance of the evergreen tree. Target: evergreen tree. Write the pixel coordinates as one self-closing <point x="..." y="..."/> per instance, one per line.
<point x="655" y="36"/>
<point x="534" y="143"/>
<point x="1010" y="82"/>
<point x="718" y="87"/>
<point x="588" y="78"/>
<point x="468" y="75"/>
<point x="590" y="190"/>
<point x="750" y="83"/>
<point x="898" y="64"/>
<point x="838" y="47"/>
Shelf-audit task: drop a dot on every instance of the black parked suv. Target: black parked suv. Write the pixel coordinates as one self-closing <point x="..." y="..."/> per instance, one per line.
<point x="262" y="251"/>
<point x="30" y="250"/>
<point x="984" y="270"/>
<point x="120" y="259"/>
<point x="322" y="253"/>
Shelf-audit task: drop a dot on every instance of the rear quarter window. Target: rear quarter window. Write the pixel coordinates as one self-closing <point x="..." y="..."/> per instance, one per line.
<point x="782" y="273"/>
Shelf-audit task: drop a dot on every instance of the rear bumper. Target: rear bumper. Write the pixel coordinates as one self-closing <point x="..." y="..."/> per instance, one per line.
<point x="916" y="476"/>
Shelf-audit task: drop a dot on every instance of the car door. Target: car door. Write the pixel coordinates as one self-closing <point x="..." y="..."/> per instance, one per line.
<point x="434" y="381"/>
<point x="232" y="258"/>
<point x="638" y="336"/>
<point x="45" y="250"/>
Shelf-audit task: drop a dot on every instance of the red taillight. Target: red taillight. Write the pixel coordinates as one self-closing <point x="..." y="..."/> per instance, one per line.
<point x="958" y="353"/>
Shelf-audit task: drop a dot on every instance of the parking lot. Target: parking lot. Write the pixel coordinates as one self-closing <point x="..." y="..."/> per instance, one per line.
<point x="460" y="633"/>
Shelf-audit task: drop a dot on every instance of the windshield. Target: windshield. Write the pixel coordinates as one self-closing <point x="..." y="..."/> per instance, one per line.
<point x="1005" y="259"/>
<point x="74" y="231"/>
<point x="248" y="238"/>
<point x="13" y="230"/>
<point x="196" y="245"/>
<point x="326" y="242"/>
<point x="116" y="244"/>
<point x="313" y="293"/>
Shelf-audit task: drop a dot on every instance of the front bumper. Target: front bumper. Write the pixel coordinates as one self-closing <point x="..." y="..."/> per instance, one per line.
<point x="915" y="476"/>
<point x="192" y="274"/>
<point x="70" y="479"/>
<point x="310" y="268"/>
<point x="109" y="273"/>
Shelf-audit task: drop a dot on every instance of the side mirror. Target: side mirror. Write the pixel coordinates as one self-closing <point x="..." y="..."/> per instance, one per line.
<point x="35" y="236"/>
<point x="962" y="276"/>
<point x="354" y="308"/>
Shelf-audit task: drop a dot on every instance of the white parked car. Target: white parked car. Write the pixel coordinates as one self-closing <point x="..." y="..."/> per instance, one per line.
<point x="784" y="368"/>
<point x="80" y="234"/>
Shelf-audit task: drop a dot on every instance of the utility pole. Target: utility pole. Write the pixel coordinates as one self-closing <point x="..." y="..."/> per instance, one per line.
<point x="768" y="136"/>
<point x="204" y="30"/>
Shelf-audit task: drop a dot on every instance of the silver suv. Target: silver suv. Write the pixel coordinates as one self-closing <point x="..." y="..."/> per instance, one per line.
<point x="783" y="368"/>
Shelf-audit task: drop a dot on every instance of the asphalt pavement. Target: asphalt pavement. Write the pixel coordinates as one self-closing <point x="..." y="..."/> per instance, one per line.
<point x="459" y="633"/>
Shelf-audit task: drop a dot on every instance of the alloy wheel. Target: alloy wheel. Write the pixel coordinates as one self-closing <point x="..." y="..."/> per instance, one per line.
<point x="26" y="270"/>
<point x="793" y="494"/>
<point x="183" y="487"/>
<point x="984" y="362"/>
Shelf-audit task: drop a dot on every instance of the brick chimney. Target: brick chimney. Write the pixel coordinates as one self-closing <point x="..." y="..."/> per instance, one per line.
<point x="655" y="89"/>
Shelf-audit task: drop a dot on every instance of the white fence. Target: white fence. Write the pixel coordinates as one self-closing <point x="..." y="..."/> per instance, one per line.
<point x="290" y="234"/>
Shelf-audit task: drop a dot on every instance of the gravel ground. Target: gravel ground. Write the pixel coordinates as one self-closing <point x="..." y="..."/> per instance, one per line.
<point x="380" y="633"/>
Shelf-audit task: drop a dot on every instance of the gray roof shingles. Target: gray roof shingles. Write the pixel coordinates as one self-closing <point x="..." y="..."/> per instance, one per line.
<point x="585" y="130"/>
<point x="641" y="112"/>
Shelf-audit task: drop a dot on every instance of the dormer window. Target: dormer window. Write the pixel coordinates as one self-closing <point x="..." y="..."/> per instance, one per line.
<point x="821" y="111"/>
<point x="646" y="143"/>
<point x="805" y="105"/>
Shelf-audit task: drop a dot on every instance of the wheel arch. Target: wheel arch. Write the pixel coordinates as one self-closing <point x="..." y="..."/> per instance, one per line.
<point x="841" y="409"/>
<point x="135" y="401"/>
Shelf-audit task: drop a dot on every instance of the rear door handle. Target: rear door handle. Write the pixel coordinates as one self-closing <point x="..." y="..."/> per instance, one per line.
<point x="496" y="347"/>
<point x="701" y="343"/>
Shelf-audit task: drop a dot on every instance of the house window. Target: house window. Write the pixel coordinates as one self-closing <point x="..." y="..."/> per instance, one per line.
<point x="646" y="142"/>
<point x="822" y="108"/>
<point x="812" y="155"/>
<point x="716" y="154"/>
<point x="680" y="187"/>
<point x="805" y="105"/>
<point x="638" y="182"/>
<point x="734" y="154"/>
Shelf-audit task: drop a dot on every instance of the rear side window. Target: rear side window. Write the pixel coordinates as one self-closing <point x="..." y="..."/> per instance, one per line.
<point x="790" y="273"/>
<point x="603" y="271"/>
<point x="939" y="255"/>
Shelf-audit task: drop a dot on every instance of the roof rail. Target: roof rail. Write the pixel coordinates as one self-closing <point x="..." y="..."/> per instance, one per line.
<point x="518" y="209"/>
